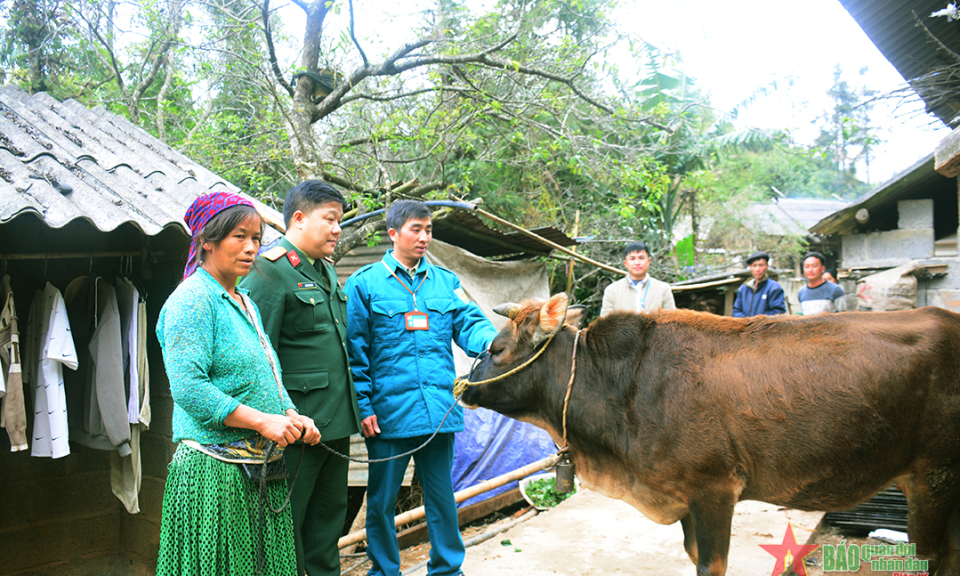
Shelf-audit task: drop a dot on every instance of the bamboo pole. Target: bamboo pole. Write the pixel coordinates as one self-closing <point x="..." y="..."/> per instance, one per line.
<point x="548" y="243"/>
<point x="465" y="494"/>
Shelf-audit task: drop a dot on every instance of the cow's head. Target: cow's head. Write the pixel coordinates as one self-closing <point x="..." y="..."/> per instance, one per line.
<point x="531" y="325"/>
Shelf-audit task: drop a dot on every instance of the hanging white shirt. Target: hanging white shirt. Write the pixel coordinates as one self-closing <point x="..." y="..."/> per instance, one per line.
<point x="50" y="428"/>
<point x="127" y="300"/>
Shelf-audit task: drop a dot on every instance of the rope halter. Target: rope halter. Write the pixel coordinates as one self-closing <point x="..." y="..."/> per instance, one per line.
<point x="460" y="385"/>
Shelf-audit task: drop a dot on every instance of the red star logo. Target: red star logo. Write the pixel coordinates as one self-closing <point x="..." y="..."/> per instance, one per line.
<point x="789" y="552"/>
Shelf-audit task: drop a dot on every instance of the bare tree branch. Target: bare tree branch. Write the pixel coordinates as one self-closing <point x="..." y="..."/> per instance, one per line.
<point x="353" y="36"/>
<point x="941" y="45"/>
<point x="95" y="29"/>
<point x="378" y="98"/>
<point x="274" y="63"/>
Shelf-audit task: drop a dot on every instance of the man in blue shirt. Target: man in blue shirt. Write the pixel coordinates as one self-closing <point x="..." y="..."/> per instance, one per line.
<point x="402" y="314"/>
<point x="761" y="295"/>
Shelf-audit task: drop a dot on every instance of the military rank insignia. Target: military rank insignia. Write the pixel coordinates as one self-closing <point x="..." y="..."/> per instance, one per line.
<point x="274" y="253"/>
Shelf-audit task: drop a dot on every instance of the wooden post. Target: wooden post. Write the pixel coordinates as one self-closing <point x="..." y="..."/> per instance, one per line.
<point x="728" y="299"/>
<point x="576" y="231"/>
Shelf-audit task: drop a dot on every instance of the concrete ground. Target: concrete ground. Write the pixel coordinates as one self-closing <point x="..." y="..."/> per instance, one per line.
<point x="590" y="535"/>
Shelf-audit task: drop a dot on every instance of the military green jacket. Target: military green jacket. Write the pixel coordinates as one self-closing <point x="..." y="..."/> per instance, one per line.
<point x="305" y="315"/>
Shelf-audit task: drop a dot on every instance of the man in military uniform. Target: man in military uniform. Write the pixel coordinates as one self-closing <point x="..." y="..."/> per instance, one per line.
<point x="304" y="313"/>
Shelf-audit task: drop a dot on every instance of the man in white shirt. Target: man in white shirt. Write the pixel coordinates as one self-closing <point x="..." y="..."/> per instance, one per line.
<point x="818" y="295"/>
<point x="638" y="292"/>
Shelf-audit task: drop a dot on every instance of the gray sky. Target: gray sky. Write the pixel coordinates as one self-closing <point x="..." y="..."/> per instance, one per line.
<point x="733" y="47"/>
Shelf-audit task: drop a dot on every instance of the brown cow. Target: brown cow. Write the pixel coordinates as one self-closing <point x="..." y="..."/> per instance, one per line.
<point x="683" y="414"/>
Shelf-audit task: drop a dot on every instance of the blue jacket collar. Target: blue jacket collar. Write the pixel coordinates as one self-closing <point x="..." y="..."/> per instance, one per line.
<point x="396" y="266"/>
<point x="754" y="284"/>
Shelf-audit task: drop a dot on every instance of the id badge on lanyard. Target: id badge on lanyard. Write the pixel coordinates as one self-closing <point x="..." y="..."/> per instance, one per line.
<point x="415" y="320"/>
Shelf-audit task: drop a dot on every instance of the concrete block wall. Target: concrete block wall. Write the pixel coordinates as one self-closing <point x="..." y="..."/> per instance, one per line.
<point x="913" y="240"/>
<point x="915" y="214"/>
<point x="941" y="290"/>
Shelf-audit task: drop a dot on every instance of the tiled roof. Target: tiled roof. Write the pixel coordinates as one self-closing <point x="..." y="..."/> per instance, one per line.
<point x="791" y="216"/>
<point x="62" y="161"/>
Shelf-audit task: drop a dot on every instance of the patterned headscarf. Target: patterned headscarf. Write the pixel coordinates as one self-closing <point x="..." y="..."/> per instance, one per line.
<point x="200" y="212"/>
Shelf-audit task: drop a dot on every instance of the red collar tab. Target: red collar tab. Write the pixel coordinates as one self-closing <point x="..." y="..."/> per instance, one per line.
<point x="293" y="258"/>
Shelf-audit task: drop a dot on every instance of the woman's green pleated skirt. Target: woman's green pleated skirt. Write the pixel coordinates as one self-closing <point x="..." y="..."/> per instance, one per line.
<point x="211" y="519"/>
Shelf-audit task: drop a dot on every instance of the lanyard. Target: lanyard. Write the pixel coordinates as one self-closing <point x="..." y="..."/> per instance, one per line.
<point x="412" y="292"/>
<point x="643" y="300"/>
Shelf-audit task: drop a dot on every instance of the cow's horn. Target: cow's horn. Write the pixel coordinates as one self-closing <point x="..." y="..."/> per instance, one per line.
<point x="509" y="310"/>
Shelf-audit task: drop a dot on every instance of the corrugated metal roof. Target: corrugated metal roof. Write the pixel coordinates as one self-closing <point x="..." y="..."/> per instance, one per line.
<point x="62" y="162"/>
<point x="466" y="230"/>
<point x="890" y="25"/>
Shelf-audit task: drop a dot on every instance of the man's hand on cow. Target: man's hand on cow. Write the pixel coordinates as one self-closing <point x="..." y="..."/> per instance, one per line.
<point x="369" y="426"/>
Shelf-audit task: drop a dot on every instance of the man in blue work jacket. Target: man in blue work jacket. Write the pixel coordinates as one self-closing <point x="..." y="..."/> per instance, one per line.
<point x="760" y="295"/>
<point x="402" y="315"/>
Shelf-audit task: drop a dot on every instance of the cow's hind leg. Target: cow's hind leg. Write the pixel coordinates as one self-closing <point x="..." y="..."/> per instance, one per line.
<point x="711" y="516"/>
<point x="932" y="521"/>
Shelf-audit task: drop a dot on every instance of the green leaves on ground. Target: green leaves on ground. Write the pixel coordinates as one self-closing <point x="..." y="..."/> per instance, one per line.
<point x="543" y="492"/>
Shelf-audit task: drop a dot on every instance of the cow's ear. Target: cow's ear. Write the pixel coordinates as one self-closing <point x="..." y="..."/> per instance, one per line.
<point x="552" y="315"/>
<point x="575" y="315"/>
<point x="509" y="310"/>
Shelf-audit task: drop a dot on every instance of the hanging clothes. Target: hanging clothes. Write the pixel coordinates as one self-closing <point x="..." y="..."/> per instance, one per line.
<point x="13" y="414"/>
<point x="143" y="367"/>
<point x="125" y="471"/>
<point x="49" y="348"/>
<point x="127" y="301"/>
<point x="96" y="395"/>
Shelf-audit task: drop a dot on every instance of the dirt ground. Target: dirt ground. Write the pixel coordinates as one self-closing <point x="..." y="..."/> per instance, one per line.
<point x="590" y="534"/>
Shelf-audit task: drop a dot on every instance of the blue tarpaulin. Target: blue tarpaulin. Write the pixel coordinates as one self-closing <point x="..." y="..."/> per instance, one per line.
<point x="492" y="444"/>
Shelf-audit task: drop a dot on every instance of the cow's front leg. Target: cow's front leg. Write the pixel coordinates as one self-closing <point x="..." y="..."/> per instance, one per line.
<point x="711" y="515"/>
<point x="689" y="537"/>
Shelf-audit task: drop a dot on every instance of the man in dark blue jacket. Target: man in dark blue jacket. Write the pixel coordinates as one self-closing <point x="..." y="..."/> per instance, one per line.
<point x="760" y="294"/>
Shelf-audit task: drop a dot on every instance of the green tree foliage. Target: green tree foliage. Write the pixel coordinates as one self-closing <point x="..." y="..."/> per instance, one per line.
<point x="792" y="171"/>
<point x="32" y="44"/>
<point x="42" y="49"/>
<point x="846" y="136"/>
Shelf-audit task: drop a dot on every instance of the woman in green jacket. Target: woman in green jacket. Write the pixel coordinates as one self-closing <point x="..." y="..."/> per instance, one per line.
<point x="229" y="408"/>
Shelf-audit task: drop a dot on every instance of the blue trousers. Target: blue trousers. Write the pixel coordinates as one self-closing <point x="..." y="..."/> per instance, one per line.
<point x="433" y="465"/>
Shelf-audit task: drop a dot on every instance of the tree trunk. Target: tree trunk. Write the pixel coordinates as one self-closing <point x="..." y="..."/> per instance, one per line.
<point x="35" y="74"/>
<point x="306" y="157"/>
<point x="161" y="120"/>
